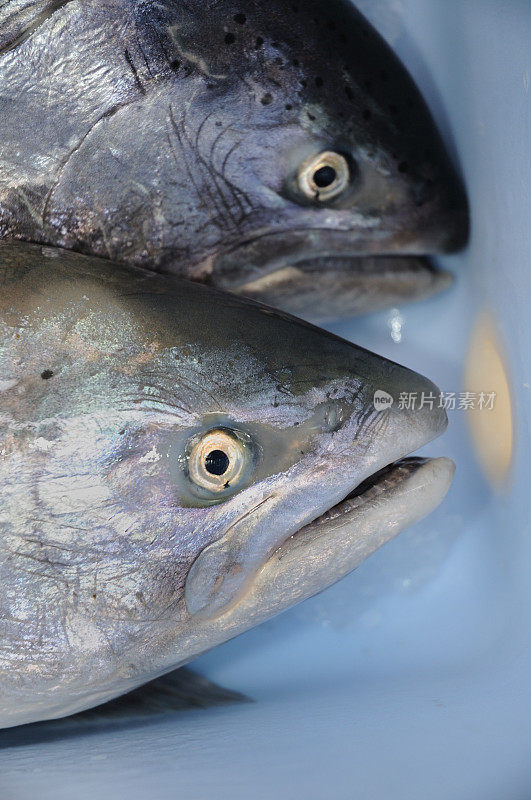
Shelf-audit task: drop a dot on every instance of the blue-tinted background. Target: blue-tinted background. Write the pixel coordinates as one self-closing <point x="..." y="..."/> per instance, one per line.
<point x="412" y="677"/>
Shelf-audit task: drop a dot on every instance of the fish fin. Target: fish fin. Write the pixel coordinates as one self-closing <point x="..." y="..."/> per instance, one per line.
<point x="19" y="18"/>
<point x="179" y="690"/>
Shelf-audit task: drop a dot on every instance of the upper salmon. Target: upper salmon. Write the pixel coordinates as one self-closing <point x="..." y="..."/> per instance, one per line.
<point x="229" y="142"/>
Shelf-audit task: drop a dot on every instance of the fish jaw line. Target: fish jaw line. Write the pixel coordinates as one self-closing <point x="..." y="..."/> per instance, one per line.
<point x="268" y="252"/>
<point x="373" y="490"/>
<point x="325" y="550"/>
<point x="355" y="285"/>
<point x="299" y="244"/>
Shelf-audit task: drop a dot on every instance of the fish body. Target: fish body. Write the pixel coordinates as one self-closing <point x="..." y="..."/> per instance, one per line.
<point x="232" y="143"/>
<point x="177" y="464"/>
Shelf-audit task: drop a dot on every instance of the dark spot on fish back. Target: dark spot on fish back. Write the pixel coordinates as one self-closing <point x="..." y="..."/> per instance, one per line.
<point x="259" y="42"/>
<point x="175" y="64"/>
<point x="47" y="374"/>
<point x="267" y="99"/>
<point x="230" y="38"/>
<point x="241" y="19"/>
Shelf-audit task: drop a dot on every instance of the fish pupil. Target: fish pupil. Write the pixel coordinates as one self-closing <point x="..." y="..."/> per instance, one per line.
<point x="217" y="462"/>
<point x="324" y="177"/>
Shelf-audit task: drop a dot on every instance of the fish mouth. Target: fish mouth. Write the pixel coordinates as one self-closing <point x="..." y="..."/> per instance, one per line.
<point x="347" y="286"/>
<point x="336" y="542"/>
<point x="383" y="483"/>
<point x="268" y="250"/>
<point x="390" y="482"/>
<point x="347" y="275"/>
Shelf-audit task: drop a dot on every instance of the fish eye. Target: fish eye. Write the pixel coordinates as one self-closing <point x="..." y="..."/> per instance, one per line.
<point x="218" y="460"/>
<point x="324" y="177"/>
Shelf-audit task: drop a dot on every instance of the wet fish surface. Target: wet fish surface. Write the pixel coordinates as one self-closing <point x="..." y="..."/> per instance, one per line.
<point x="177" y="465"/>
<point x="247" y="145"/>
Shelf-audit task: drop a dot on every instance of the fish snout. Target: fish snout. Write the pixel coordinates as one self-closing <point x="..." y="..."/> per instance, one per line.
<point x="439" y="203"/>
<point x="412" y="410"/>
<point x="447" y="221"/>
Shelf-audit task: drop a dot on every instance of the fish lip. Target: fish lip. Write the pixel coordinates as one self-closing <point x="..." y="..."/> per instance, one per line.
<point x="374" y="489"/>
<point x="267" y="251"/>
<point x="382" y="266"/>
<point x="380" y="481"/>
<point x="344" y="287"/>
<point x="348" y="238"/>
